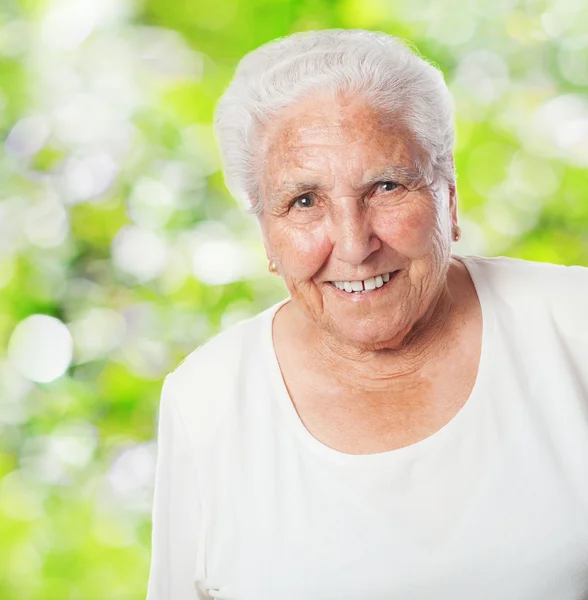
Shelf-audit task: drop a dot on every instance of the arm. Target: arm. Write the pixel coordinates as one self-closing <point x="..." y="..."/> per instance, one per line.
<point x="176" y="510"/>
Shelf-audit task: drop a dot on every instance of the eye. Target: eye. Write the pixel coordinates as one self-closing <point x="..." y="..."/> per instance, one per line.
<point x="305" y="201"/>
<point x="388" y="186"/>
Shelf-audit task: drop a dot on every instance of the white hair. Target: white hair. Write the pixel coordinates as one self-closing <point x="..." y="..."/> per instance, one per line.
<point x="382" y="69"/>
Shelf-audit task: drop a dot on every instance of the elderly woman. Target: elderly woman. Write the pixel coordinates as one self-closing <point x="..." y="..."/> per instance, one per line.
<point x="407" y="424"/>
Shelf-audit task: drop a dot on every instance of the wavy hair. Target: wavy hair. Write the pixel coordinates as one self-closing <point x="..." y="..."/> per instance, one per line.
<point x="384" y="70"/>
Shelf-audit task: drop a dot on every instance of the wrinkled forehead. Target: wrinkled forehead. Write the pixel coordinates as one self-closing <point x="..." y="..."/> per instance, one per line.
<point x="325" y="118"/>
<point x="323" y="130"/>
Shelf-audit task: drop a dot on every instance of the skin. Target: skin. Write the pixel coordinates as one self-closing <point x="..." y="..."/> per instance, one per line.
<point x="344" y="200"/>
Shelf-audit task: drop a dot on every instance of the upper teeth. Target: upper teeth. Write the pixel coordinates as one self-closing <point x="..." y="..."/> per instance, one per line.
<point x="366" y="285"/>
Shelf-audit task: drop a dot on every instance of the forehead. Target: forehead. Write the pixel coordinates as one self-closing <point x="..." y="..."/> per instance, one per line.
<point x="328" y="137"/>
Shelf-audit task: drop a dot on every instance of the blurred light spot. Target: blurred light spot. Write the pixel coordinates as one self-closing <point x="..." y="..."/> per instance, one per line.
<point x="514" y="192"/>
<point x="533" y="174"/>
<point x="74" y="443"/>
<point x="483" y="75"/>
<point x="96" y="334"/>
<point x="46" y="224"/>
<point x="12" y="216"/>
<point x="145" y="358"/>
<point x="15" y="38"/>
<point x="131" y="475"/>
<point x="451" y="27"/>
<point x="560" y="127"/>
<point x="573" y="138"/>
<point x="41" y="348"/>
<point x="139" y="252"/>
<point x="189" y="330"/>
<point x="85" y="178"/>
<point x="502" y="218"/>
<point x="219" y="261"/>
<point x="573" y="60"/>
<point x="67" y="24"/>
<point x="151" y="204"/>
<point x="144" y="319"/>
<point x="523" y="27"/>
<point x="44" y="466"/>
<point x="81" y="293"/>
<point x="560" y="18"/>
<point x="141" y="350"/>
<point x="494" y="10"/>
<point x="167" y="53"/>
<point x="50" y="274"/>
<point x="28" y="136"/>
<point x="117" y="86"/>
<point x="87" y="118"/>
<point x="19" y="499"/>
<point x="523" y="205"/>
<point x="132" y="469"/>
<point x="179" y="176"/>
<point x="14" y="389"/>
<point x="176" y="272"/>
<point x="55" y="458"/>
<point x="57" y="81"/>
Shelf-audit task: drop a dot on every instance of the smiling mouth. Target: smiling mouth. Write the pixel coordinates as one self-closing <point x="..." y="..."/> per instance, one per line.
<point x="366" y="285"/>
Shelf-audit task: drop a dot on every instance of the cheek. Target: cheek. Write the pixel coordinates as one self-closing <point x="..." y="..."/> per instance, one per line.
<point x="302" y="251"/>
<point x="411" y="232"/>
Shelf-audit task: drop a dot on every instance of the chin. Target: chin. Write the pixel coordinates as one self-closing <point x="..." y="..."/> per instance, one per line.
<point x="370" y="335"/>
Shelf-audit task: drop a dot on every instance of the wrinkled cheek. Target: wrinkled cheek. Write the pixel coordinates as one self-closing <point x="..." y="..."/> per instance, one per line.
<point x="304" y="252"/>
<point x="412" y="235"/>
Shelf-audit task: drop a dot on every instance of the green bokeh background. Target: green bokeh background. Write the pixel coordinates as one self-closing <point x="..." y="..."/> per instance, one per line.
<point x="114" y="220"/>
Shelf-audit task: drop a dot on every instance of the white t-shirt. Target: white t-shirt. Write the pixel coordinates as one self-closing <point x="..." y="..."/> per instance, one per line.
<point x="494" y="506"/>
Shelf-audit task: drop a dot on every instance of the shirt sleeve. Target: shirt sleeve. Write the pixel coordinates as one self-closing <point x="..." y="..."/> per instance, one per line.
<point x="176" y="515"/>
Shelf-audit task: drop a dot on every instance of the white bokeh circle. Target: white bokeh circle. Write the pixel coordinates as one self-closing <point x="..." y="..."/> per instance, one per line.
<point x="41" y="348"/>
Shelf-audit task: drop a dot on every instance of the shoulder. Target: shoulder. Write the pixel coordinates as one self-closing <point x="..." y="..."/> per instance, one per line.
<point x="560" y="290"/>
<point x="205" y="385"/>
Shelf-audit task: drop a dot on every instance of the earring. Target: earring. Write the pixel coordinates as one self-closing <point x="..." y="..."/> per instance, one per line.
<point x="456" y="233"/>
<point x="272" y="267"/>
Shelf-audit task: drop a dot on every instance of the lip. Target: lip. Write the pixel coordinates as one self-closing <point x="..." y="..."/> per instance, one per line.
<point x="358" y="297"/>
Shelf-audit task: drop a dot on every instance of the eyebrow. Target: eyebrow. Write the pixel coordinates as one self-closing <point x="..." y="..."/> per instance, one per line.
<point x="404" y="175"/>
<point x="400" y="174"/>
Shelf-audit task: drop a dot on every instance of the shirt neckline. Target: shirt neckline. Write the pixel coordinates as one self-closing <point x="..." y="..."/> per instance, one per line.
<point x="389" y="457"/>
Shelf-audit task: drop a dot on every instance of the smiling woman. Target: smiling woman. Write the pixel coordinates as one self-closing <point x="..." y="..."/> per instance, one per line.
<point x="406" y="424"/>
<point x="367" y="212"/>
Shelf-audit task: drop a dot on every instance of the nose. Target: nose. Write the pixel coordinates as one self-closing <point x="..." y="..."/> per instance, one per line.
<point x="353" y="236"/>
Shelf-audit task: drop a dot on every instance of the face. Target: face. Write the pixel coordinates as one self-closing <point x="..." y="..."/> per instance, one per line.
<point x="344" y="202"/>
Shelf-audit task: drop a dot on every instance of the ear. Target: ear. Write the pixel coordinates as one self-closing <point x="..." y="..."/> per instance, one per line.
<point x="453" y="195"/>
<point x="453" y="202"/>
